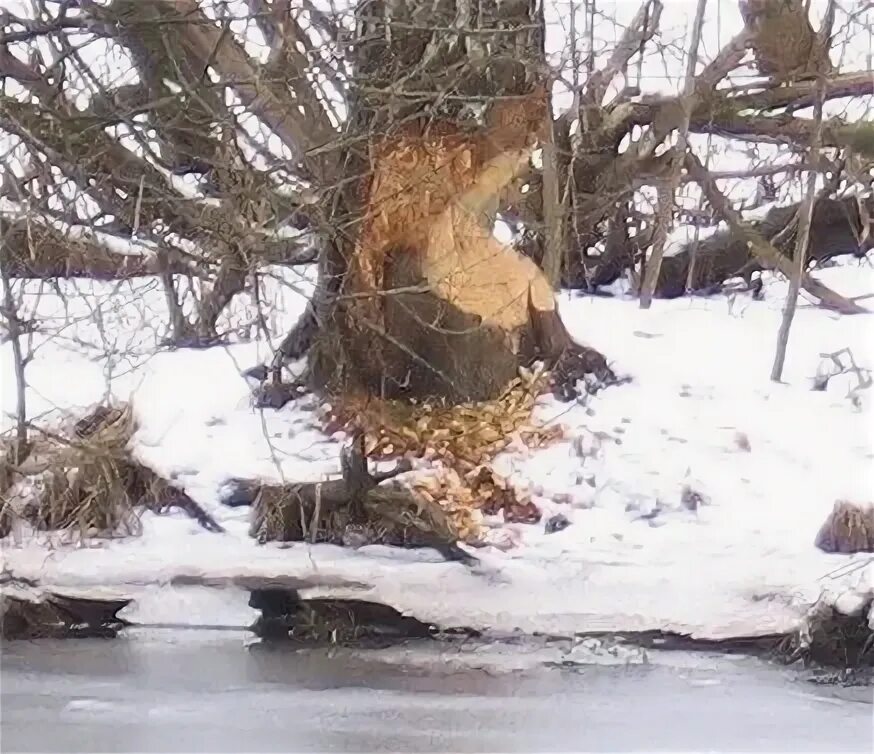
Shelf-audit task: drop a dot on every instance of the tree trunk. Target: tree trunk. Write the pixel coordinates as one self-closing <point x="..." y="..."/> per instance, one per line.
<point x="667" y="192"/>
<point x="554" y="209"/>
<point x="416" y="298"/>
<point x="805" y="216"/>
<point x="9" y="310"/>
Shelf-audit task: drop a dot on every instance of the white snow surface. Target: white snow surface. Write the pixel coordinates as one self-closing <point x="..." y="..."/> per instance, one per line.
<point x="767" y="462"/>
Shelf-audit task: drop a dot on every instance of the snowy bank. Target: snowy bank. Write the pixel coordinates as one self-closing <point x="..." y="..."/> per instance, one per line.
<point x="694" y="492"/>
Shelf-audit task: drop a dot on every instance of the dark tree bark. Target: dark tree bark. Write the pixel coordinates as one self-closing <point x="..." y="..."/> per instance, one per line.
<point x="840" y="227"/>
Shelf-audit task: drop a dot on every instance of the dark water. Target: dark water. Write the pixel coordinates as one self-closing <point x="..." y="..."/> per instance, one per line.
<point x="205" y="691"/>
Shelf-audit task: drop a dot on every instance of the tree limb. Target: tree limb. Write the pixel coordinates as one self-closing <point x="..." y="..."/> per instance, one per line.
<point x="33" y="29"/>
<point x="641" y="29"/>
<point x="803" y="93"/>
<point x="299" y="132"/>
<point x="784" y="129"/>
<point x="34" y="249"/>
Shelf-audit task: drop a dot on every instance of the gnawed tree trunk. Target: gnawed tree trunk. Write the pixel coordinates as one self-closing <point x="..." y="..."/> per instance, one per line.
<point x="430" y="304"/>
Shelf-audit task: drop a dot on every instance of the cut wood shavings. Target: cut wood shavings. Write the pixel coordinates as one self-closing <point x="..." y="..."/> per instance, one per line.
<point x="462" y="437"/>
<point x="446" y="488"/>
<point x="458" y="443"/>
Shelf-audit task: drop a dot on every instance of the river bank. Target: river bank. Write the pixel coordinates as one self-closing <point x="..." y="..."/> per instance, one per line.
<point x="693" y="495"/>
<point x="837" y="644"/>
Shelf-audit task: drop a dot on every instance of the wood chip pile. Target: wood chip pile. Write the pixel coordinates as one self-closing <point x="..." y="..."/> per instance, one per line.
<point x="458" y="444"/>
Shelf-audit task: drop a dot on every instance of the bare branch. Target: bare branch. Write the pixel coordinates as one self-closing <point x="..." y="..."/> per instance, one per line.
<point x="784" y="129"/>
<point x="803" y="93"/>
<point x="641" y="29"/>
<point x="33" y="29"/>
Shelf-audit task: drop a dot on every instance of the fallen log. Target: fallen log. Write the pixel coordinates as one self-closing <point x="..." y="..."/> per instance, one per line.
<point x="838" y="228"/>
<point x="352" y="511"/>
<point x="767" y="254"/>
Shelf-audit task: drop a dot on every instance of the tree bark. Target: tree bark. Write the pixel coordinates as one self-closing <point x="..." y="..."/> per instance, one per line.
<point x="554" y="209"/>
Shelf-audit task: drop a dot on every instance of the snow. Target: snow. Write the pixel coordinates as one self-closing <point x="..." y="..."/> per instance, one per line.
<point x="764" y="461"/>
<point x="683" y="236"/>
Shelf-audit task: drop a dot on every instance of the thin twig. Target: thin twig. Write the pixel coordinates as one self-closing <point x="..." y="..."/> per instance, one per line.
<point x="137" y="208"/>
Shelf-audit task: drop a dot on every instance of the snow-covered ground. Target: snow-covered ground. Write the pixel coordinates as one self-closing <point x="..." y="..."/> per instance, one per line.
<point x="762" y="463"/>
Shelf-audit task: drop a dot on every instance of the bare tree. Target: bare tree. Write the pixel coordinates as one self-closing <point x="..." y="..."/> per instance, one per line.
<point x="210" y="161"/>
